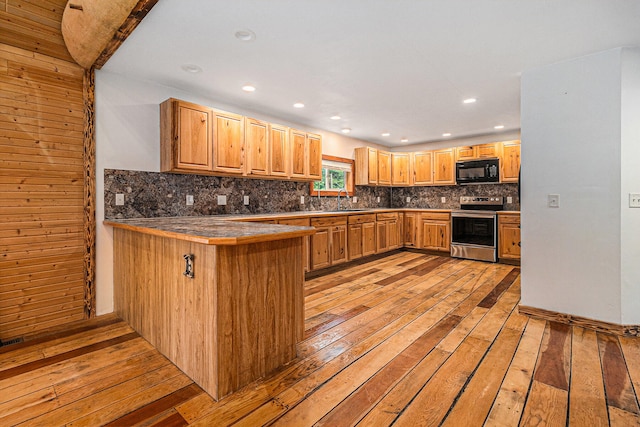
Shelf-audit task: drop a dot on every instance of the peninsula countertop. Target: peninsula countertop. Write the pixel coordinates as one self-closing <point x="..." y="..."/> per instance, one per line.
<point x="211" y="230"/>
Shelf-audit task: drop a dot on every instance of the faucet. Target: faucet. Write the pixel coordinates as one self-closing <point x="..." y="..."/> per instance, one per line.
<point x="345" y="193"/>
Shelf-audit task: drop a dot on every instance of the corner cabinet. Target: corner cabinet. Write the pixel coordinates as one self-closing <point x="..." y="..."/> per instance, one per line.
<point x="186" y="137"/>
<point x="509" y="244"/>
<point x="400" y="169"/>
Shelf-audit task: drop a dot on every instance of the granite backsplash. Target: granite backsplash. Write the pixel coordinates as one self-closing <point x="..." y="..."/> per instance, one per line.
<point x="155" y="194"/>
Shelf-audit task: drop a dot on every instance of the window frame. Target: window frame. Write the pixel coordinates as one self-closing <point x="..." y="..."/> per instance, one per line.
<point x="349" y="187"/>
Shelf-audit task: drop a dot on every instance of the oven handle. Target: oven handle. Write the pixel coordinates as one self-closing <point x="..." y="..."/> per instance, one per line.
<point x="472" y="215"/>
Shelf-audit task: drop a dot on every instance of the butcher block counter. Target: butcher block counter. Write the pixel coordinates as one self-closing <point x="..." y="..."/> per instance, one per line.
<point x="222" y="300"/>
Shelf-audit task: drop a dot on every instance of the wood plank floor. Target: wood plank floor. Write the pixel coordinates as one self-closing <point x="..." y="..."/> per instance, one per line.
<point x="406" y="340"/>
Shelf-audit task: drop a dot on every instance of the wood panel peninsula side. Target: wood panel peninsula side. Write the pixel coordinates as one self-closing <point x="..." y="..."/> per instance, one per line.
<point x="241" y="314"/>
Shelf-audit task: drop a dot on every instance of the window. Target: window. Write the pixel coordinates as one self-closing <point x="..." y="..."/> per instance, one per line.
<point x="337" y="173"/>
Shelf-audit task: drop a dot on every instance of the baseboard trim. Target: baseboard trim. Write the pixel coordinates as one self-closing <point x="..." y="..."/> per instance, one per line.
<point x="583" y="322"/>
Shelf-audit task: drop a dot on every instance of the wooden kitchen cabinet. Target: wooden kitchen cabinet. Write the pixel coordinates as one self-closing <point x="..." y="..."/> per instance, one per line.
<point x="509" y="244"/>
<point x="329" y="244"/>
<point x="435" y="231"/>
<point x="305" y="154"/>
<point x="384" y="168"/>
<point x="444" y="167"/>
<point x="410" y="229"/>
<point x="278" y="151"/>
<point x="186" y="143"/>
<point x="480" y="151"/>
<point x="422" y="168"/>
<point x="388" y="232"/>
<point x="510" y="161"/>
<point x="361" y="235"/>
<point x="400" y="169"/>
<point x="257" y="143"/>
<point x="228" y="142"/>
<point x="366" y="165"/>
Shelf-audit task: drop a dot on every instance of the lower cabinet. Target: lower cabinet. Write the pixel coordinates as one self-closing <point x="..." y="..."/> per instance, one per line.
<point x="410" y="229"/>
<point x="435" y="231"/>
<point x="509" y="236"/>
<point x="329" y="243"/>
<point x="361" y="236"/>
<point x="388" y="231"/>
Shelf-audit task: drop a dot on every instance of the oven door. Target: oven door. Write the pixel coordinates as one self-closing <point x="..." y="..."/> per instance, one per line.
<point x="474" y="236"/>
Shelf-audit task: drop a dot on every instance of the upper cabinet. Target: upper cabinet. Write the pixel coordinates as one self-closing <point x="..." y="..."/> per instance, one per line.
<point x="400" y="169"/>
<point x="199" y="139"/>
<point x="470" y="152"/>
<point x="186" y="137"/>
<point x="422" y="168"/>
<point x="228" y="142"/>
<point x="384" y="168"/>
<point x="510" y="164"/>
<point x="444" y="167"/>
<point x="366" y="166"/>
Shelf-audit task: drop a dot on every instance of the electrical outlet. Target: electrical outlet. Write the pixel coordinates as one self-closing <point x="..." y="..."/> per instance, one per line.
<point x="246" y="200"/>
<point x="553" y="200"/>
<point x="443" y="199"/>
<point x="355" y="199"/>
<point x="509" y="199"/>
<point x="634" y="200"/>
<point x="119" y="199"/>
<point x="408" y="199"/>
<point x="189" y="200"/>
<point x="378" y="199"/>
<point x="302" y="200"/>
<point x="222" y="200"/>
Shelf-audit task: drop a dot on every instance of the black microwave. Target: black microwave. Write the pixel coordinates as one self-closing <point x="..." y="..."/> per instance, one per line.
<point x="478" y="171"/>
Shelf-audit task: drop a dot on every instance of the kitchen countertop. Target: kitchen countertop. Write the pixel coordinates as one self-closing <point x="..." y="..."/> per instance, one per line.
<point x="211" y="230"/>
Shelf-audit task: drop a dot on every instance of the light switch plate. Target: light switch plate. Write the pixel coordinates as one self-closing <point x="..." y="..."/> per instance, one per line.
<point x="246" y="200"/>
<point x="302" y="200"/>
<point x="443" y="199"/>
<point x="378" y="199"/>
<point x="189" y="200"/>
<point x="119" y="199"/>
<point x="509" y="199"/>
<point x="553" y="200"/>
<point x="222" y="200"/>
<point x="408" y="199"/>
<point x="634" y="200"/>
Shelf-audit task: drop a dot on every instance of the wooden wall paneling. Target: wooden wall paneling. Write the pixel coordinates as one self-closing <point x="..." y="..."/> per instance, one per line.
<point x="42" y="170"/>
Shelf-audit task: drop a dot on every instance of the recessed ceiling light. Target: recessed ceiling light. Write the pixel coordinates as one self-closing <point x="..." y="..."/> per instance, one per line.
<point x="446" y="134"/>
<point x="249" y="88"/>
<point x="335" y="117"/>
<point x="245" y="35"/>
<point x="499" y="127"/>
<point x="298" y="105"/>
<point x="404" y="140"/>
<point x="385" y="134"/>
<point x="469" y="101"/>
<point x="191" y="68"/>
<point x="345" y="130"/>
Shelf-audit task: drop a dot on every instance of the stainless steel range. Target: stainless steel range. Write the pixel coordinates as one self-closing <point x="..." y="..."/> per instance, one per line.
<point x="474" y="228"/>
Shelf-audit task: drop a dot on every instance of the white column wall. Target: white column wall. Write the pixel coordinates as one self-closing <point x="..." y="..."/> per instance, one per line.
<point x="571" y="146"/>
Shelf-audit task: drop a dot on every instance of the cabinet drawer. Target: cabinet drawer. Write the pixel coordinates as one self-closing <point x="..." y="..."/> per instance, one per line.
<point x="436" y="216"/>
<point x="509" y="219"/>
<point x="359" y="219"/>
<point x="386" y="216"/>
<point x="303" y="222"/>
<point x="328" y="221"/>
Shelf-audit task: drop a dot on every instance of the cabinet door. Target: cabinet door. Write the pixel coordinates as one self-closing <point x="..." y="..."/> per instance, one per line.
<point x="382" y="244"/>
<point x="384" y="168"/>
<point x="393" y="234"/>
<point x="465" y="152"/>
<point x="314" y="156"/>
<point x="228" y="142"/>
<point x="278" y="150"/>
<point x="488" y="150"/>
<point x="355" y="241"/>
<point x="444" y="167"/>
<point x="400" y="169"/>
<point x="338" y="244"/>
<point x="368" y="238"/>
<point x="257" y="143"/>
<point x="372" y="160"/>
<point x="443" y="237"/>
<point x="409" y="233"/>
<point x="429" y="235"/>
<point x="185" y="136"/>
<point x="509" y="242"/>
<point x="510" y="161"/>
<point x="298" y="141"/>
<point x="320" y="243"/>
<point x="422" y="168"/>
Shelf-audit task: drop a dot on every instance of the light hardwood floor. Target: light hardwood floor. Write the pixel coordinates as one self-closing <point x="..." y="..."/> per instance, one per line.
<point x="409" y="339"/>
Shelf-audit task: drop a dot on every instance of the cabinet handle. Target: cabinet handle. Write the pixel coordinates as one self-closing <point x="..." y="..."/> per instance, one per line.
<point x="519" y="245"/>
<point x="188" y="268"/>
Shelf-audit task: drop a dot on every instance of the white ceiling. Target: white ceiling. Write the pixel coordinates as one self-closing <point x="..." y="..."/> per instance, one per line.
<point x="402" y="66"/>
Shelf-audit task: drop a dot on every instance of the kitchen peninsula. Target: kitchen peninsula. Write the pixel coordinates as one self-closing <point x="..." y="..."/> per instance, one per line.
<point x="222" y="300"/>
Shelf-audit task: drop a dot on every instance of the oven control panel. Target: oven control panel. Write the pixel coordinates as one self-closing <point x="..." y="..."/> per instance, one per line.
<point x="481" y="200"/>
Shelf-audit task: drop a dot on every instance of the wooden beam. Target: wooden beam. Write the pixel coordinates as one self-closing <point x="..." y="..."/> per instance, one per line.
<point x="88" y="95"/>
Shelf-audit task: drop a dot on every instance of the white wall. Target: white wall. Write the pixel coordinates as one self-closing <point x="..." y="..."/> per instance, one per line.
<point x="128" y="137"/>
<point x="571" y="134"/>
<point x="630" y="178"/>
<point x="456" y="142"/>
